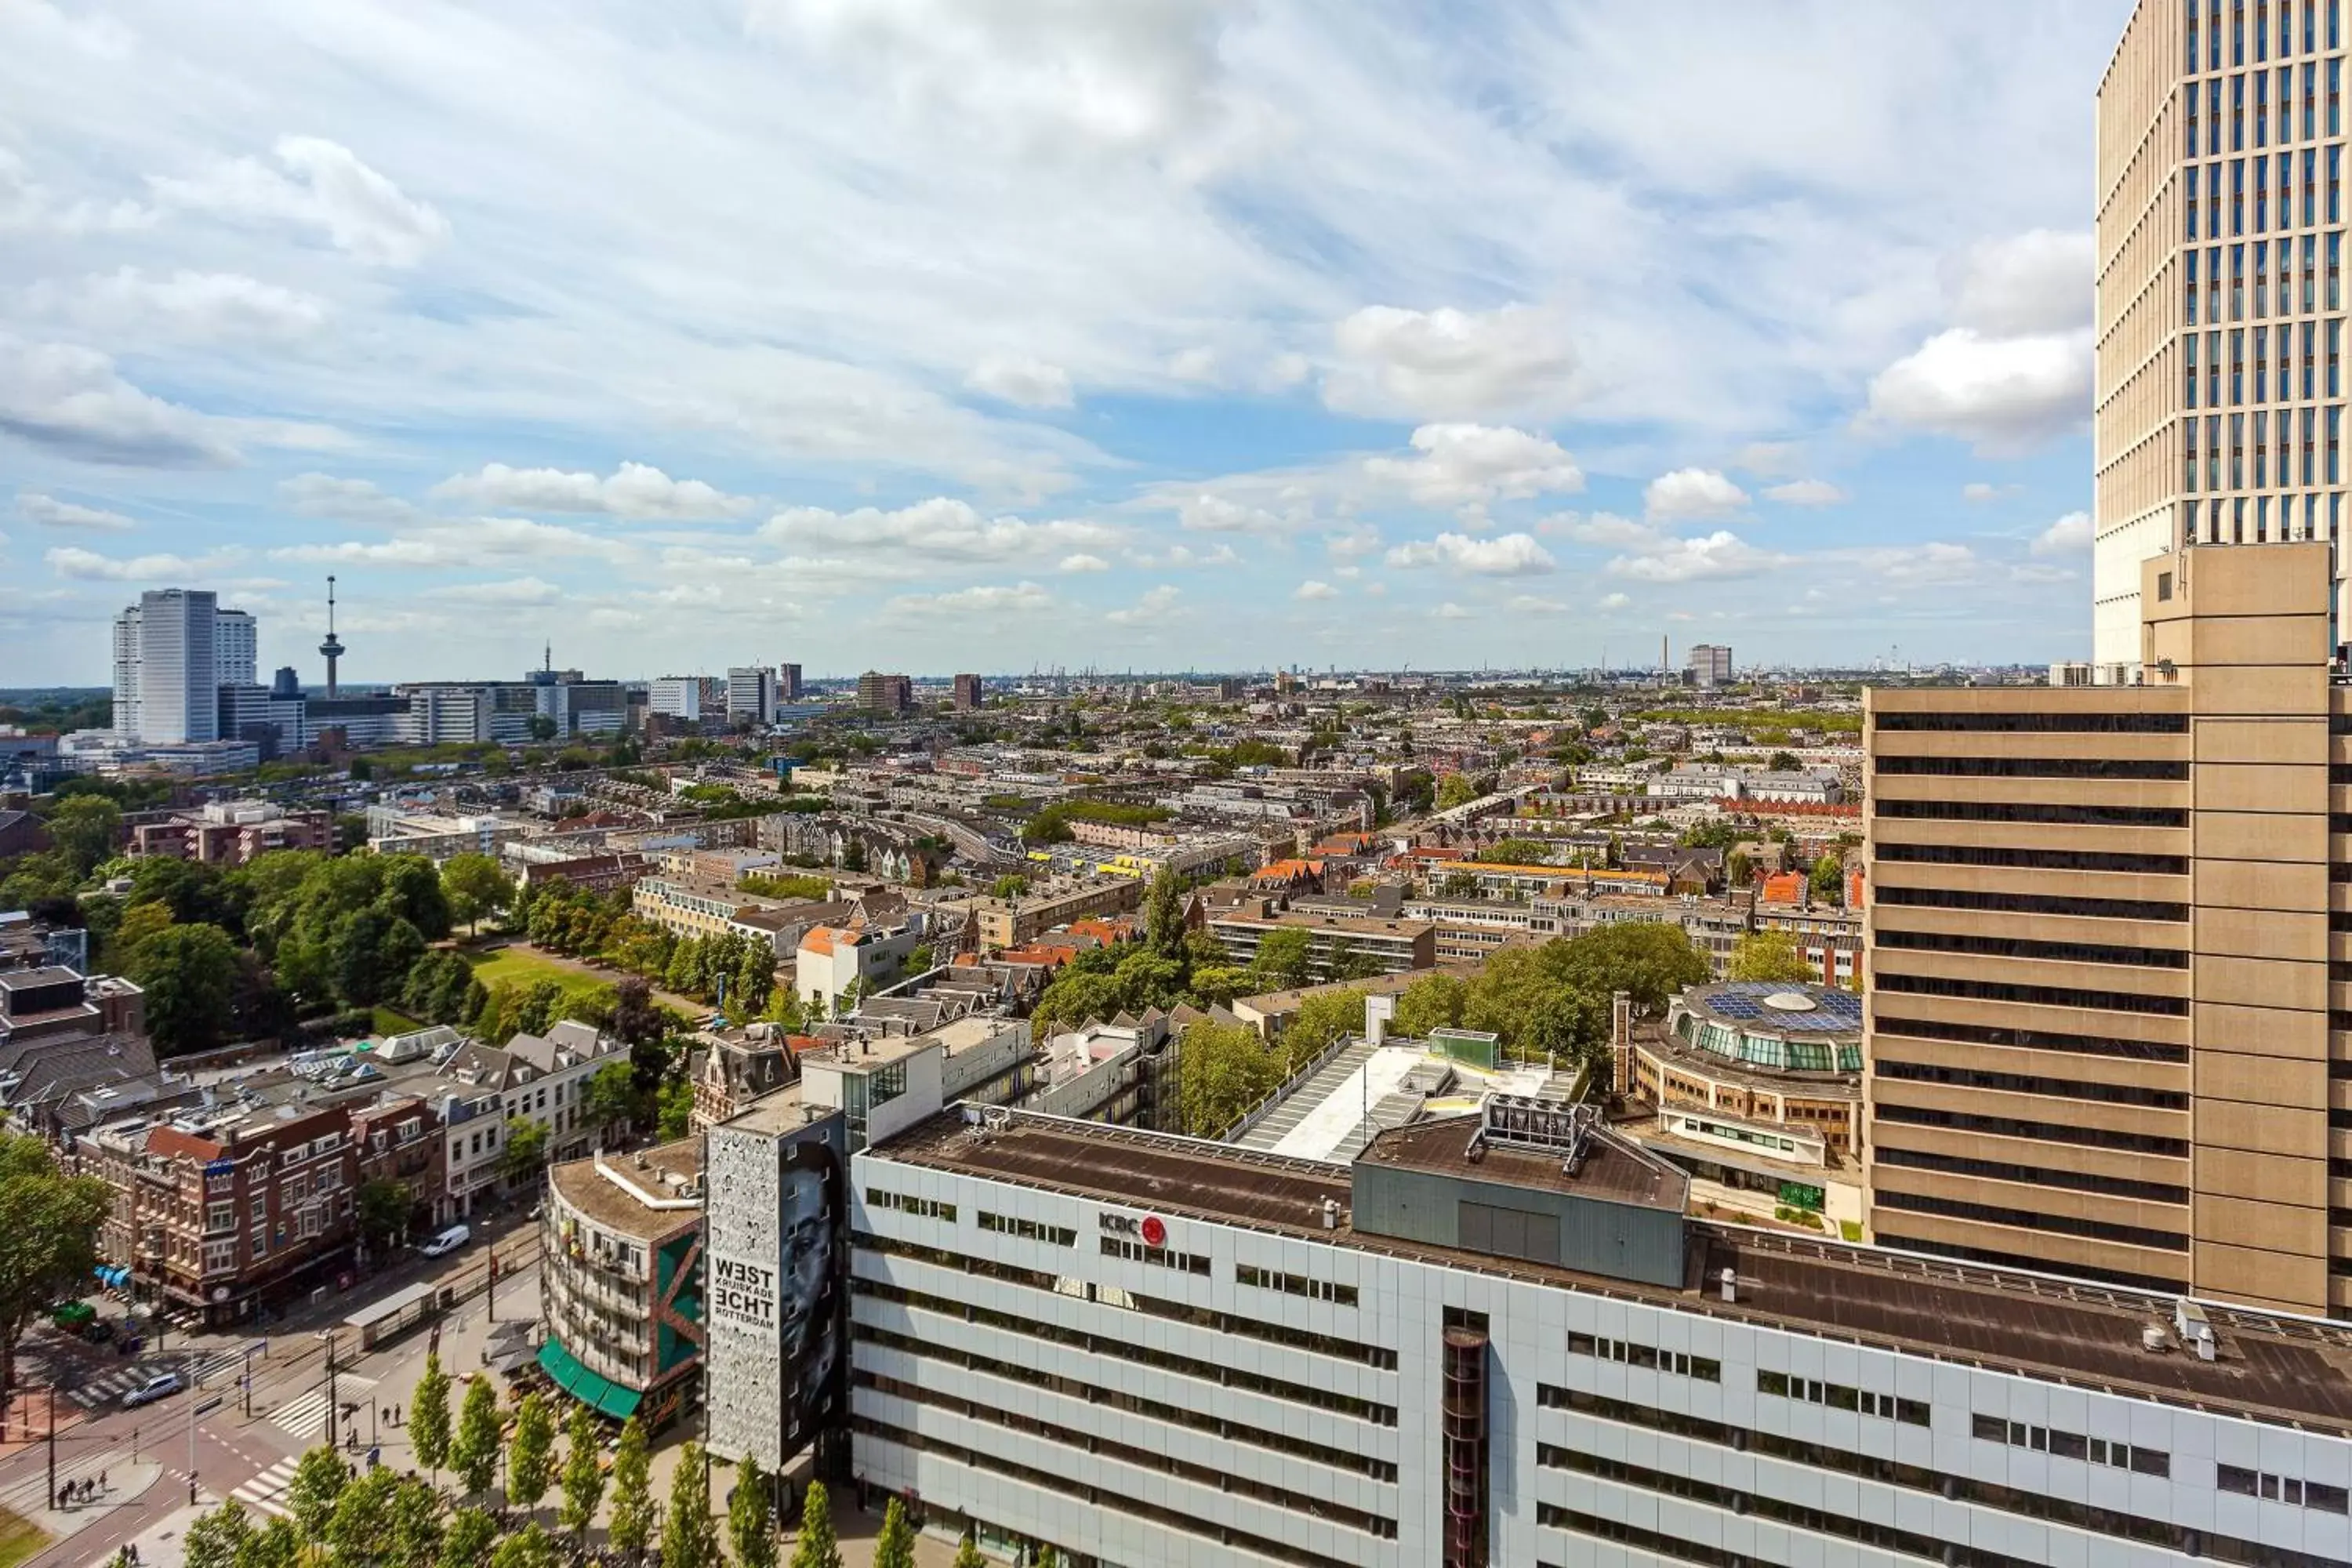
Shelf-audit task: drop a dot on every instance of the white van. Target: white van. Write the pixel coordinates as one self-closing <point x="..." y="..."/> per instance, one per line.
<point x="448" y="1242"/>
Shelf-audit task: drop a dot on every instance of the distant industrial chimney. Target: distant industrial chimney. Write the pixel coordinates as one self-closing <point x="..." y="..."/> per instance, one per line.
<point x="332" y="647"/>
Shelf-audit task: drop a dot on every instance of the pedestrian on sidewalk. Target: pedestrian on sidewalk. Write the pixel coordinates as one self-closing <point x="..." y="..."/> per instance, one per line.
<point x="101" y="1481"/>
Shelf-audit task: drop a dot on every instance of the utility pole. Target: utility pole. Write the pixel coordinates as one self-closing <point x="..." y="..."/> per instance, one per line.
<point x="332" y="1406"/>
<point x="193" y="1403"/>
<point x="53" y="1445"/>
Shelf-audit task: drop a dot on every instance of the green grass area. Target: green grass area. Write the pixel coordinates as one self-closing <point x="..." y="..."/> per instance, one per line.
<point x="19" y="1538"/>
<point x="522" y="968"/>
<point x="388" y="1022"/>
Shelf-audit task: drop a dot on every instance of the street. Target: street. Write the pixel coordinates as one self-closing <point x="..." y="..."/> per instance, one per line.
<point x="208" y="1432"/>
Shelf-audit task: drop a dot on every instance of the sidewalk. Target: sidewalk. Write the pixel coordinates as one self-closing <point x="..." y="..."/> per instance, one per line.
<point x="31" y="1498"/>
<point x="165" y="1544"/>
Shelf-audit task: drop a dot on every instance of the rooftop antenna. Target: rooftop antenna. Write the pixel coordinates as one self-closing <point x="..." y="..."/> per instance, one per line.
<point x="332" y="647"/>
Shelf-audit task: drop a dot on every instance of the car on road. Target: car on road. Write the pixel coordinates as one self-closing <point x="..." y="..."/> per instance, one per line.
<point x="448" y="1242"/>
<point x="153" y="1389"/>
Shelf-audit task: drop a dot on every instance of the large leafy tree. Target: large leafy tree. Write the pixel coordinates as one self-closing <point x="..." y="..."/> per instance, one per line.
<point x="1321" y="1019"/>
<point x="1222" y="1069"/>
<point x="690" y="1537"/>
<point x="373" y="951"/>
<point x="1434" y="1003"/>
<point x="189" y="973"/>
<point x="530" y="1461"/>
<point x="474" y="1450"/>
<point x="429" y="1415"/>
<point x="631" y="1521"/>
<point x="895" y="1547"/>
<point x="359" y="1529"/>
<point x="218" y="1538"/>
<point x="750" y="1526"/>
<point x="415" y="1530"/>
<point x="85" y="829"/>
<point x="48" y="1239"/>
<point x="1285" y="959"/>
<point x="1163" y="916"/>
<point x="468" y="1540"/>
<point x="583" y="1474"/>
<point x="816" y="1547"/>
<point x="475" y="886"/>
<point x="1768" y="955"/>
<point x="318" y="1481"/>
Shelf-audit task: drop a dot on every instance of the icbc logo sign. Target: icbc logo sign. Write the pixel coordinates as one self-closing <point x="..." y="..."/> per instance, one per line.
<point x="1151" y="1229"/>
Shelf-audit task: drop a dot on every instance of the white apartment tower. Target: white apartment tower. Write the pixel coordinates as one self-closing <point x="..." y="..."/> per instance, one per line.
<point x="173" y="650"/>
<point x="2219" y="409"/>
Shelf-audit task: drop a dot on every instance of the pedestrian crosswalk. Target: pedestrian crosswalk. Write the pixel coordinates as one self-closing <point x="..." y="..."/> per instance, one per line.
<point x="304" y="1416"/>
<point x="110" y="1386"/>
<point x="266" y="1493"/>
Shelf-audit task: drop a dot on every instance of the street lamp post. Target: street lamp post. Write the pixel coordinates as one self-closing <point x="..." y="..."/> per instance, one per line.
<point x="329" y="1335"/>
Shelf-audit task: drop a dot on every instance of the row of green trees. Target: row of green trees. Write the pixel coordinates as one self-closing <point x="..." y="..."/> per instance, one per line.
<point x="582" y="924"/>
<point x="378" y="1518"/>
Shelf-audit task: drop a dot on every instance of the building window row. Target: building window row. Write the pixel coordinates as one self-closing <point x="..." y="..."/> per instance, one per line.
<point x="2032" y="1083"/>
<point x="2034" y="811"/>
<point x="2036" y="859"/>
<point x="2028" y="1219"/>
<point x="2033" y="1175"/>
<point x="2029" y="1039"/>
<point x="1157" y="1257"/>
<point x="2023" y="947"/>
<point x="2071" y="1445"/>
<point x="1115" y="1500"/>
<point x="2143" y="768"/>
<point x="1378" y="1469"/>
<point x="1704" y="1368"/>
<point x="922" y="1208"/>
<point x="2282" y="1488"/>
<point x="1378" y="1526"/>
<point x="2041" y="1131"/>
<point x="2003" y="723"/>
<point x="2033" y="904"/>
<point x="1295" y="1285"/>
<point x="1372" y="1411"/>
<point x="1820" y="1521"/>
<point x="2036" y="995"/>
<point x="1838" y="1396"/>
<point x="2307" y="12"/>
<point x="1028" y="1229"/>
<point x="1917" y="1477"/>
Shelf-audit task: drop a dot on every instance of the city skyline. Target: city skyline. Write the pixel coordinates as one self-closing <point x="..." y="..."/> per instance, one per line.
<point x="1484" y="386"/>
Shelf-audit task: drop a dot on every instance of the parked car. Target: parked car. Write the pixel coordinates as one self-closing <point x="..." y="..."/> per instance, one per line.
<point x="448" y="1242"/>
<point x="98" y="1331"/>
<point x="156" y="1387"/>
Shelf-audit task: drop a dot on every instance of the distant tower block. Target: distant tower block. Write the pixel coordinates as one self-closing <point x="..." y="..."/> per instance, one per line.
<point x="332" y="647"/>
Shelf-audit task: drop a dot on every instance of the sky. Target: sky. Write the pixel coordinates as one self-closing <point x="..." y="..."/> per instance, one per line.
<point x="995" y="334"/>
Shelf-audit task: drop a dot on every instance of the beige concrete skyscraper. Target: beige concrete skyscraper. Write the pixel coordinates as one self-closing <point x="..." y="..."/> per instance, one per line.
<point x="2220" y="400"/>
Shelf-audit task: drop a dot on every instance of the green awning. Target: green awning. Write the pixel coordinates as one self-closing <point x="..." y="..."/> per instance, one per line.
<point x="590" y="1388"/>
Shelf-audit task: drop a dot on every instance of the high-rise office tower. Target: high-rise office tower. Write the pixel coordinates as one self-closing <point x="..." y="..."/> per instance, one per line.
<point x="1710" y="664"/>
<point x="880" y="693"/>
<point x="2101" y="955"/>
<point x="788" y="683"/>
<point x="969" y="693"/>
<point x="2219" y="402"/>
<point x="750" y="694"/>
<point x="235" y="653"/>
<point x="168" y="664"/>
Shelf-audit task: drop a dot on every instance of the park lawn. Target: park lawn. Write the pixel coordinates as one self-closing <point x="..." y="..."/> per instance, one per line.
<point x="522" y="969"/>
<point x="19" y="1538"/>
<point x="388" y="1022"/>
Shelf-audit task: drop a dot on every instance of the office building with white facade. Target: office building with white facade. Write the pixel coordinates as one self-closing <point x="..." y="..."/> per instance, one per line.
<point x="1495" y="1339"/>
<point x="173" y="650"/>
<point x="750" y="694"/>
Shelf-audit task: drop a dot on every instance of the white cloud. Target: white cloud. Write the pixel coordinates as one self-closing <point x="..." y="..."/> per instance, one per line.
<point x="1449" y="363"/>
<point x="1615" y="601"/>
<point x="1155" y="604"/>
<point x="2027" y="284"/>
<point x="633" y="490"/>
<point x="1770" y="459"/>
<point x="1980" y="492"/>
<point x="1930" y="563"/>
<point x="1311" y="589"/>
<point x="1508" y="555"/>
<point x="324" y="186"/>
<point x="1354" y="543"/>
<point x="89" y="566"/>
<point x="1805" y="493"/>
<point x="2005" y="394"/>
<point x="939" y="529"/>
<point x="71" y="400"/>
<point x="1692" y="492"/>
<point x="344" y="500"/>
<point x="1210" y="514"/>
<point x="1529" y="605"/>
<point x="1604" y="529"/>
<point x="520" y="591"/>
<point x="1449" y="611"/>
<point x="1719" y="555"/>
<point x="2066" y="536"/>
<point x="1184" y="558"/>
<point x="1198" y="362"/>
<point x="1082" y="562"/>
<point x="187" y="306"/>
<point x="984" y="599"/>
<point x="1017" y="379"/>
<point x="1471" y="464"/>
<point x="47" y="511"/>
<point x="479" y="541"/>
